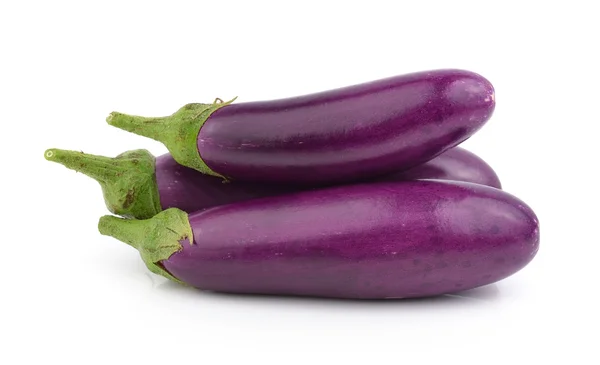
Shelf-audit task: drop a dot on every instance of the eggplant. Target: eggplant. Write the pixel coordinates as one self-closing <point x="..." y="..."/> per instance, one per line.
<point x="347" y="134"/>
<point x="362" y="241"/>
<point x="138" y="185"/>
<point x="456" y="164"/>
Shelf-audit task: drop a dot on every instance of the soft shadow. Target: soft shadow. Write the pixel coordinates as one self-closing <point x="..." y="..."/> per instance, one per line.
<point x="488" y="293"/>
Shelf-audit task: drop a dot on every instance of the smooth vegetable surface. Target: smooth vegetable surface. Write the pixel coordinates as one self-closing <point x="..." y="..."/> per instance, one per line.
<point x="357" y="132"/>
<point x="456" y="164"/>
<point x="379" y="240"/>
<point x="137" y="185"/>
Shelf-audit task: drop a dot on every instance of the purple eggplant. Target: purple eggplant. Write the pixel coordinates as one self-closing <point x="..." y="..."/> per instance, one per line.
<point x="356" y="132"/>
<point x="137" y="185"/>
<point x="456" y="164"/>
<point x="368" y="241"/>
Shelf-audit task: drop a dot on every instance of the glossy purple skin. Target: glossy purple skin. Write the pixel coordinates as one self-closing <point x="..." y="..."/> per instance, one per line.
<point x="189" y="190"/>
<point x="456" y="164"/>
<point x="370" y="241"/>
<point x="357" y="132"/>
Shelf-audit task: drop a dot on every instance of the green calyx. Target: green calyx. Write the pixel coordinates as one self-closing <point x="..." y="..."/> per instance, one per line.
<point x="178" y="132"/>
<point x="128" y="181"/>
<point x="156" y="238"/>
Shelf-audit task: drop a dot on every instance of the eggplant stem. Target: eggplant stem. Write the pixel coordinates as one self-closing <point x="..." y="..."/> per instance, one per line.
<point x="128" y="181"/>
<point x="178" y="132"/>
<point x="156" y="239"/>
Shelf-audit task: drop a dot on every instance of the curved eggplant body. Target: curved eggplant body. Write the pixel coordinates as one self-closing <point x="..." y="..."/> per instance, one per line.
<point x="357" y="132"/>
<point x="189" y="190"/>
<point x="379" y="240"/>
<point x="456" y="164"/>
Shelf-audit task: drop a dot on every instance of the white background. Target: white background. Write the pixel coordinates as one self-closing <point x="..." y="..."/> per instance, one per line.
<point x="72" y="296"/>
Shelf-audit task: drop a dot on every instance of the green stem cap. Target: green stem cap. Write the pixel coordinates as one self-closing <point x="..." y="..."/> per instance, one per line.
<point x="128" y="181"/>
<point x="156" y="238"/>
<point x="178" y="132"/>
